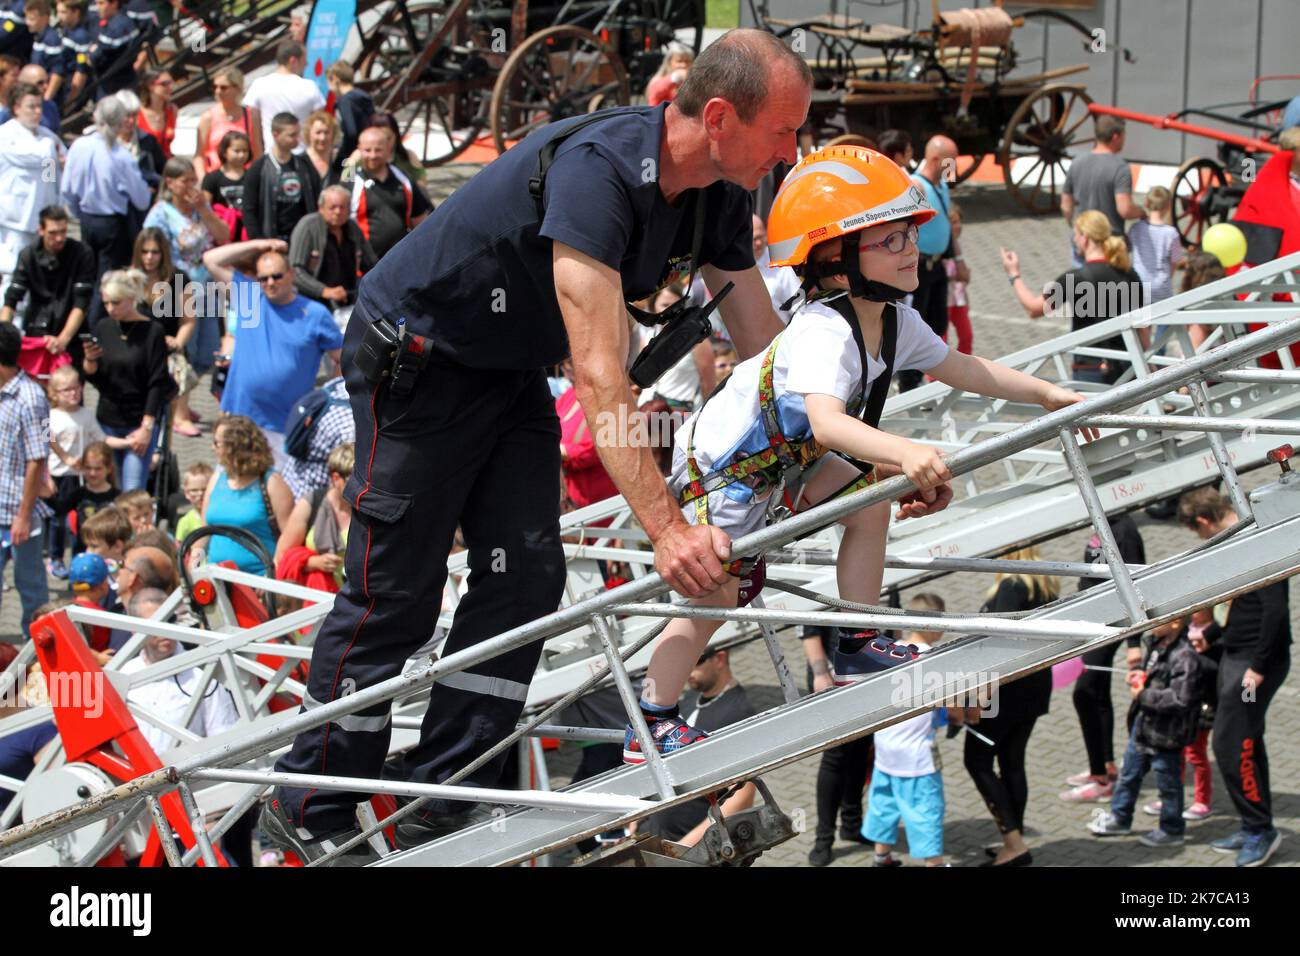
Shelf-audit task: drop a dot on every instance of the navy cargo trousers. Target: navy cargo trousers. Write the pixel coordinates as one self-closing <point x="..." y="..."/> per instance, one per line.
<point x="478" y="449"/>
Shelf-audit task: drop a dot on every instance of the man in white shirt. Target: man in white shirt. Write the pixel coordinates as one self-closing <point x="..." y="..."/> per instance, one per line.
<point x="286" y="90"/>
<point x="170" y="697"/>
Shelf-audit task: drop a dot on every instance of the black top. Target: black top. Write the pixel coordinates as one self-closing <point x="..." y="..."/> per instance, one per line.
<point x="1094" y="293"/>
<point x="57" y="284"/>
<point x="132" y="376"/>
<point x="163" y="309"/>
<point x="385" y="212"/>
<point x="1132" y="550"/>
<point x="276" y="197"/>
<point x="708" y="715"/>
<point x="338" y="262"/>
<point x="86" y="502"/>
<point x="1026" y="697"/>
<point x="477" y="277"/>
<point x="1259" y="627"/>
<point x="229" y="192"/>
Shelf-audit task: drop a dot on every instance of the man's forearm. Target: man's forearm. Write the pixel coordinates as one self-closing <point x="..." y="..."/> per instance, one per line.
<point x="610" y="410"/>
<point x="31" y="485"/>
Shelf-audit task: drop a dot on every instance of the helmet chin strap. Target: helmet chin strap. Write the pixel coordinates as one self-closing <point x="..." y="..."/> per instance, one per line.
<point x="847" y="266"/>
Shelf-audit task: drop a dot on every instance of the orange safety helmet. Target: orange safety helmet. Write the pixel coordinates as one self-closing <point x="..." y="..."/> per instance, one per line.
<point x="837" y="191"/>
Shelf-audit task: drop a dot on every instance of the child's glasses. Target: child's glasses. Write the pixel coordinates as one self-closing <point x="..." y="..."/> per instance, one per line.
<point x="895" y="242"/>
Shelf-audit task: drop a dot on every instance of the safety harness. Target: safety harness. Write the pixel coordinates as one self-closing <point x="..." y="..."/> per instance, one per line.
<point x="784" y="462"/>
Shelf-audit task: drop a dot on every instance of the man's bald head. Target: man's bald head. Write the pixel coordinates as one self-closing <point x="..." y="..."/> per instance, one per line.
<point x="939" y="148"/>
<point x="158" y="561"/>
<point x="34" y="74"/>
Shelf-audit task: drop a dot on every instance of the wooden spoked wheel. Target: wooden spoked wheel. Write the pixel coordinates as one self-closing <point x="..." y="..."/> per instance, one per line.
<point x="1195" y="184"/>
<point x="556" y="73"/>
<point x="1036" y="147"/>
<point x="444" y="110"/>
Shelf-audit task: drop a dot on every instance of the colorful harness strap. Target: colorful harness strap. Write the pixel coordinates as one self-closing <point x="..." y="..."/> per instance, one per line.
<point x="768" y="468"/>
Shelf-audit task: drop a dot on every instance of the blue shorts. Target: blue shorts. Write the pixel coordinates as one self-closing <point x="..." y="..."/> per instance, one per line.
<point x="917" y="801"/>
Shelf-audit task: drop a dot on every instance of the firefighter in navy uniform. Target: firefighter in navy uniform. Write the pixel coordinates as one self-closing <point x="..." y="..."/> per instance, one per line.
<point x="15" y="39"/>
<point x="498" y="283"/>
<point x="113" y="50"/>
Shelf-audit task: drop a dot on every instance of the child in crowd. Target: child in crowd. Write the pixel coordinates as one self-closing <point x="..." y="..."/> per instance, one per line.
<point x="98" y="488"/>
<point x="958" y="276"/>
<point x="72" y="429"/>
<point x="224" y="186"/>
<point x="138" y="506"/>
<point x="810" y="393"/>
<point x="907" y="778"/>
<point x="724" y="360"/>
<point x="194" y="482"/>
<point x="1163" y="720"/>
<point x="1200" y="632"/>
<point x="106" y="533"/>
<point x="1157" y="250"/>
<point x="1198" y="269"/>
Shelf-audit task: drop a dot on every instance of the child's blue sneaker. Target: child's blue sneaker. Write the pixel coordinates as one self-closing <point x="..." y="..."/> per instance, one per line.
<point x="1258" y="847"/>
<point x="669" y="734"/>
<point x="58" y="569"/>
<point x="1231" y="843"/>
<point x="1159" y="838"/>
<point x="865" y="653"/>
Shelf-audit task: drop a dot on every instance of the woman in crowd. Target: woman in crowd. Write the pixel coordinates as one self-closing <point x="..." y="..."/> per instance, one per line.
<point x="321" y="133"/>
<point x="31" y="159"/>
<point x="128" y="366"/>
<point x="226" y="115"/>
<point x="1105" y="287"/>
<point x="157" y="114"/>
<point x="185" y="217"/>
<point x="245" y="492"/>
<point x="144" y="146"/>
<point x="167" y="302"/>
<point x="1019" y="705"/>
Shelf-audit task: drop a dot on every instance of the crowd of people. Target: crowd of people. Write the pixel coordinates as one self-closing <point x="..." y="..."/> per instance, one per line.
<point x="242" y="264"/>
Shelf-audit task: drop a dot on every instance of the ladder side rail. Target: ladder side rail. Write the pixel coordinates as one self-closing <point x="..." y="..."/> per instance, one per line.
<point x="986" y="452"/>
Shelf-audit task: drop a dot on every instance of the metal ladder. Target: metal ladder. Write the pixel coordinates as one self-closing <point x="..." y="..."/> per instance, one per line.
<point x="1260" y="551"/>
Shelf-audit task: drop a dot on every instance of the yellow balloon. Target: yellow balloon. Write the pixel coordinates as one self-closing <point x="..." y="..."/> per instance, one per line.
<point x="1226" y="243"/>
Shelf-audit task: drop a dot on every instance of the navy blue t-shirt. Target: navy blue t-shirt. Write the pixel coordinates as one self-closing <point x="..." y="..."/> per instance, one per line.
<point x="476" y="276"/>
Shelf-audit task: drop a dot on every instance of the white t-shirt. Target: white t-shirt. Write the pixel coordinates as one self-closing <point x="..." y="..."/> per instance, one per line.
<point x="816" y="355"/>
<point x="168" y="698"/>
<point x="907" y="749"/>
<point x="781" y="282"/>
<point x="73" y="431"/>
<point x="283" y="93"/>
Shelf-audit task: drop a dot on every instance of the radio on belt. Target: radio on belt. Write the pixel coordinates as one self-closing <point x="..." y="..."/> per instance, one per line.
<point x="385" y="353"/>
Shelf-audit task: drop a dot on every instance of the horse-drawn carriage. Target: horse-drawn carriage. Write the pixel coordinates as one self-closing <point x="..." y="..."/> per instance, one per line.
<point x="954" y="77"/>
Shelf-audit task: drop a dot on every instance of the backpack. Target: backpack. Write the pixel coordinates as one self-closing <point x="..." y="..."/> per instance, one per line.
<point x="303" y="419"/>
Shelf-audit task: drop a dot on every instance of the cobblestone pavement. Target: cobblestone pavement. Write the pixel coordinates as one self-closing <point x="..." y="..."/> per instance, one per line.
<point x="1055" y="829"/>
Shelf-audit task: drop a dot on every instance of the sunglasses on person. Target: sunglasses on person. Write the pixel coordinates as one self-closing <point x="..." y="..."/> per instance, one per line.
<point x="895" y="242"/>
<point x="271" y="277"/>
